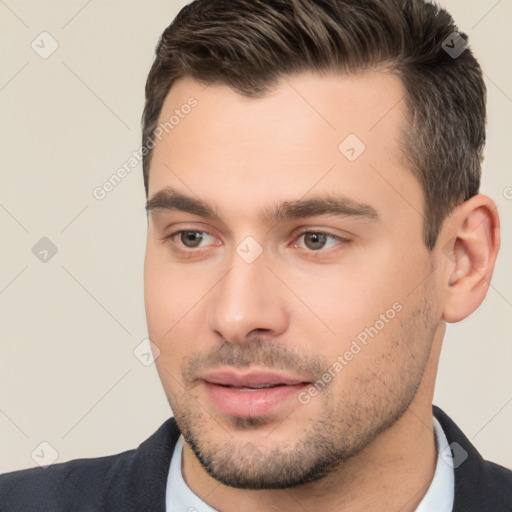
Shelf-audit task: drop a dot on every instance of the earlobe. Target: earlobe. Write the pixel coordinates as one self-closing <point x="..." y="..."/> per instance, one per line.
<point x="472" y="250"/>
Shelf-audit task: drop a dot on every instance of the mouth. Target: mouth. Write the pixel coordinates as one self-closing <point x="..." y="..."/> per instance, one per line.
<point x="251" y="387"/>
<point x="251" y="394"/>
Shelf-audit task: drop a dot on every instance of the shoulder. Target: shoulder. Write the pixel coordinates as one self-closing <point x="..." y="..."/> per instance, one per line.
<point x="134" y="480"/>
<point x="496" y="486"/>
<point x="73" y="485"/>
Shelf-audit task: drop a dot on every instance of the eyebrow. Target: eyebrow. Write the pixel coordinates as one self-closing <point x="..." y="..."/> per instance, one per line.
<point x="329" y="204"/>
<point x="170" y="199"/>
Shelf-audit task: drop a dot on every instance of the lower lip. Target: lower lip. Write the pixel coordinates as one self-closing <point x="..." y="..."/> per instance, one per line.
<point x="244" y="403"/>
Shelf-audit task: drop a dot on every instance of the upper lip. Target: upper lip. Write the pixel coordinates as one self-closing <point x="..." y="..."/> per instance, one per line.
<point x="251" y="378"/>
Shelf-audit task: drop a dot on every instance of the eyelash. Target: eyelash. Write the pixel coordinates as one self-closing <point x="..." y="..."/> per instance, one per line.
<point x="189" y="250"/>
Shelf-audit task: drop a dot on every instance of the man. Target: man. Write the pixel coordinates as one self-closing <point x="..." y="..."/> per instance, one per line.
<point x="312" y="170"/>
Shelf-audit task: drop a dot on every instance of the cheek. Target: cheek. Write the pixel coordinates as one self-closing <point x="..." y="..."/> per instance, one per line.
<point x="165" y="294"/>
<point x="175" y="303"/>
<point x="359" y="313"/>
<point x="349" y="299"/>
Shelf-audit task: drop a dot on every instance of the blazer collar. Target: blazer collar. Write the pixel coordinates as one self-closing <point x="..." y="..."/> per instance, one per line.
<point x="477" y="482"/>
<point x="137" y="482"/>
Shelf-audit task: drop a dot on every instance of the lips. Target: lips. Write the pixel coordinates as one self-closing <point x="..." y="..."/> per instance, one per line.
<point x="251" y="394"/>
<point x="251" y="379"/>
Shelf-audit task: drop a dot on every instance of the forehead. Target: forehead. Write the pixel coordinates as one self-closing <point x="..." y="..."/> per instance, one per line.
<point x="310" y="131"/>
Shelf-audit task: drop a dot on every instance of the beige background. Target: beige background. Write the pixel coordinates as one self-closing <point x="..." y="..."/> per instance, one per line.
<point x="68" y="375"/>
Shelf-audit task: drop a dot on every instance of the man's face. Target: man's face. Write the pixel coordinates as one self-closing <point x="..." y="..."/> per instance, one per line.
<point x="295" y="309"/>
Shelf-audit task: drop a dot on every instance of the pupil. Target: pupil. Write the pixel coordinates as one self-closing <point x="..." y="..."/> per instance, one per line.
<point x="315" y="240"/>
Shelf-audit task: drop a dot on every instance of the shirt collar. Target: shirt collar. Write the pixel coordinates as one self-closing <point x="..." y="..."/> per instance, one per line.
<point x="440" y="494"/>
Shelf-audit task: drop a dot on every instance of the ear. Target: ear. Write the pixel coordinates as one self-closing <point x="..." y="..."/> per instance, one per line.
<point x="473" y="232"/>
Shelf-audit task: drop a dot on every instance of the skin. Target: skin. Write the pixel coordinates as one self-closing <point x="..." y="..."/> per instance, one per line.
<point x="296" y="308"/>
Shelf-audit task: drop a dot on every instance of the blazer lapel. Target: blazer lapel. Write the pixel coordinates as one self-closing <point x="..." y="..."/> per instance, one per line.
<point x="138" y="480"/>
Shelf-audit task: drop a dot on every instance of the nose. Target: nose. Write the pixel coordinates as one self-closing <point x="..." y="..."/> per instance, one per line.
<point x="248" y="301"/>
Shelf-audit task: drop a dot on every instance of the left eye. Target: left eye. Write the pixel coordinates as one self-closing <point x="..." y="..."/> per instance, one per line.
<point x="314" y="241"/>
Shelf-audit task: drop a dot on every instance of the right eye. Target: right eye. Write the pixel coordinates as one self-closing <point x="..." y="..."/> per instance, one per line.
<point x="191" y="239"/>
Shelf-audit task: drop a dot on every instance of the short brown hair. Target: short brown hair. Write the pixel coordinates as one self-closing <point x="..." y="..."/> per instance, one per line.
<point x="250" y="44"/>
